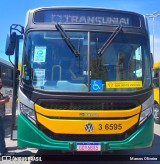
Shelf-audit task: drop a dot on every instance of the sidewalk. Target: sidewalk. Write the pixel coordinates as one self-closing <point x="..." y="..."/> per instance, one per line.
<point x="12" y="144"/>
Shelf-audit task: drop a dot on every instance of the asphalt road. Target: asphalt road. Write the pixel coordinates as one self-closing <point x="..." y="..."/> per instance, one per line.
<point x="79" y="158"/>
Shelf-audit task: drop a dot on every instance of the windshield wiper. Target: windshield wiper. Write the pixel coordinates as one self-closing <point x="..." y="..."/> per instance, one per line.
<point x="67" y="40"/>
<point x="109" y="40"/>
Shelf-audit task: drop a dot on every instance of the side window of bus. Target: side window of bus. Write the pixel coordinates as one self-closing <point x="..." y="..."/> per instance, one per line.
<point x="7" y="75"/>
<point x="135" y="64"/>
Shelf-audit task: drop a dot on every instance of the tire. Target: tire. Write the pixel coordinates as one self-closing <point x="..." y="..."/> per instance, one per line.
<point x="156" y="113"/>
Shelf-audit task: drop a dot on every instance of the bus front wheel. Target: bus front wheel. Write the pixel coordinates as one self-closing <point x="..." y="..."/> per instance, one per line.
<point x="157" y="114"/>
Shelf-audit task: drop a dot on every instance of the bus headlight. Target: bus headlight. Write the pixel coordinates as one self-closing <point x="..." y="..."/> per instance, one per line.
<point x="28" y="112"/>
<point x="144" y="115"/>
<point x="147" y="108"/>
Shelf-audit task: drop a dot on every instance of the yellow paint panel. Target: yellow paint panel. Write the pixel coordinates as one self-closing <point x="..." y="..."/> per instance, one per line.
<point x="156" y="65"/>
<point x="156" y="95"/>
<point x="124" y="84"/>
<point x="19" y="66"/>
<point x="64" y="126"/>
<point x="92" y="113"/>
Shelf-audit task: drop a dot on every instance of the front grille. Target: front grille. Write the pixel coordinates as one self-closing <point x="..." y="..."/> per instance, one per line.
<point x="87" y="137"/>
<point x="86" y="105"/>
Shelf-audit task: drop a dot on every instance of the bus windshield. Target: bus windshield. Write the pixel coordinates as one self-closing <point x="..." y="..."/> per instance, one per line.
<point x="49" y="64"/>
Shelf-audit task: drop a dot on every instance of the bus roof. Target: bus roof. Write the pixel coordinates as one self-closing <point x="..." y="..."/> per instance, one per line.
<point x="83" y="8"/>
<point x="156" y="65"/>
<point x="5" y="62"/>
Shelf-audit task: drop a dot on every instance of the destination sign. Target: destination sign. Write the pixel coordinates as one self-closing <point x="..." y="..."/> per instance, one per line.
<point x="97" y="17"/>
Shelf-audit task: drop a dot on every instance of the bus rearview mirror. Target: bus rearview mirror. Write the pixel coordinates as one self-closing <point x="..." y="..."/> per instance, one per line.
<point x="10" y="43"/>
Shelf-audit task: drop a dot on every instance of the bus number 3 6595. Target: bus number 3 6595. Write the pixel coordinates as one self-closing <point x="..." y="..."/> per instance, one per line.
<point x="110" y="126"/>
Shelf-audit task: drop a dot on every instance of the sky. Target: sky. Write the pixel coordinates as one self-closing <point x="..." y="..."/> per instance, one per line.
<point x="14" y="12"/>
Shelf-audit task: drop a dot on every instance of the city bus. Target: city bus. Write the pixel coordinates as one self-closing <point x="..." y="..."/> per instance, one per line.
<point x="86" y="79"/>
<point x="156" y="84"/>
<point x="6" y="74"/>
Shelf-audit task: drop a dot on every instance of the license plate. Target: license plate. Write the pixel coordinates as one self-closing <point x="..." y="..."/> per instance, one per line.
<point x="89" y="146"/>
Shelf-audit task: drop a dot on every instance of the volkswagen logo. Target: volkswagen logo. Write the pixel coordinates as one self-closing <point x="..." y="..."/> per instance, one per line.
<point x="89" y="127"/>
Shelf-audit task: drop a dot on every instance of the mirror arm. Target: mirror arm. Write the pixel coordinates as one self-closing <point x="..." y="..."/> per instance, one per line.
<point x="17" y="27"/>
